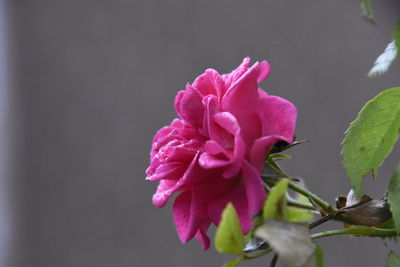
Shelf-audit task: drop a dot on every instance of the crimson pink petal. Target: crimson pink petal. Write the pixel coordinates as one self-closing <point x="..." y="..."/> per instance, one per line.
<point x="209" y="161"/>
<point x="260" y="149"/>
<point x="277" y="116"/>
<point x="210" y="104"/>
<point x="229" y="123"/>
<point x="214" y="156"/>
<point x="212" y="187"/>
<point x="167" y="188"/>
<point x="262" y="93"/>
<point x="213" y="148"/>
<point x="210" y="83"/>
<point x="265" y="69"/>
<point x="189" y="106"/>
<point x="201" y="234"/>
<point x="237" y="196"/>
<point x="241" y="205"/>
<point x="234" y="75"/>
<point x="185" y="216"/>
<point x="254" y="188"/>
<point x="243" y="96"/>
<point x="224" y="127"/>
<point x="215" y="131"/>
<point x="177" y="102"/>
<point x="170" y="171"/>
<point x="181" y="153"/>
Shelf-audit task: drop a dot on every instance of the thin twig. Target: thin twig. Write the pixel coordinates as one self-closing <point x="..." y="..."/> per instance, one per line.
<point x="301" y="190"/>
<point x="274" y="260"/>
<point x="322" y="220"/>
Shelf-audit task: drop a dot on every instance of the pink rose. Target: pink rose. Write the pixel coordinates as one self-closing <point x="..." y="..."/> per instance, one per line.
<point x="214" y="154"/>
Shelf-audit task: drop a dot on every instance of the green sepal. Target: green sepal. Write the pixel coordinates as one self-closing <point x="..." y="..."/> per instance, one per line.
<point x="275" y="206"/>
<point x="229" y="237"/>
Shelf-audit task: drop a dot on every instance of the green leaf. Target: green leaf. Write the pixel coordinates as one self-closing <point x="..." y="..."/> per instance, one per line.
<point x="319" y="256"/>
<point x="229" y="237"/>
<point x="275" y="205"/>
<point x="233" y="262"/>
<point x="366" y="9"/>
<point x="393" y="260"/>
<point x="386" y="59"/>
<point x="371" y="136"/>
<point x="394" y="197"/>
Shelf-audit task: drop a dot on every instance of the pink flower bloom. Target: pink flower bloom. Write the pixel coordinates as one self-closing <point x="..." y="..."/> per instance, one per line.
<point x="214" y="154"/>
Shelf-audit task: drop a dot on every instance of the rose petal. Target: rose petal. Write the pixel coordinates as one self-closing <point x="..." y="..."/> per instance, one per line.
<point x="247" y="197"/>
<point x="170" y="171"/>
<point x="260" y="149"/>
<point x="214" y="148"/>
<point x="215" y="156"/>
<point x="236" y="195"/>
<point x="164" y="191"/>
<point x="210" y="103"/>
<point x="277" y="116"/>
<point x="236" y="73"/>
<point x="210" y="162"/>
<point x="177" y="102"/>
<point x="201" y="234"/>
<point x="189" y="106"/>
<point x="228" y="122"/>
<point x="265" y="69"/>
<point x="183" y="153"/>
<point x="243" y="96"/>
<point x="185" y="216"/>
<point x="262" y="93"/>
<point x="240" y="203"/>
<point x="218" y="204"/>
<point x="210" y="83"/>
<point x="213" y="186"/>
<point x="167" y="188"/>
<point x="223" y="127"/>
<point x="254" y="188"/>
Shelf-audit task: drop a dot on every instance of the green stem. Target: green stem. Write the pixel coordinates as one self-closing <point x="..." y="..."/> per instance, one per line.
<point x="358" y="230"/>
<point x="354" y="230"/>
<point x="301" y="190"/>
<point x="275" y="168"/>
<point x="300" y="205"/>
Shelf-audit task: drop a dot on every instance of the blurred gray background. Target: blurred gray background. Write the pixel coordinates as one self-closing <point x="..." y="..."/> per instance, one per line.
<point x="92" y="80"/>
